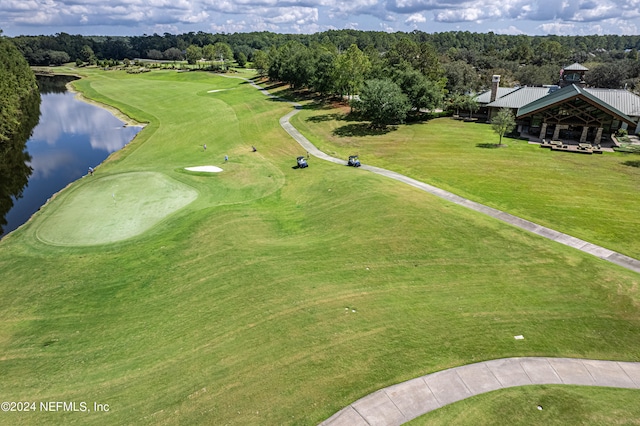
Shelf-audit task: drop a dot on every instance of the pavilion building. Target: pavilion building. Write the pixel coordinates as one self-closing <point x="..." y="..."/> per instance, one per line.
<point x="567" y="111"/>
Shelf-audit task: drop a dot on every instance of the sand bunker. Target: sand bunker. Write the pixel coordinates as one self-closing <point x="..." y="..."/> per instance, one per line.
<point x="208" y="169"/>
<point x="217" y="90"/>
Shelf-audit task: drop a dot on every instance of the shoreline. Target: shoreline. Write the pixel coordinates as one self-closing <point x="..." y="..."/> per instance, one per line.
<point x="128" y="121"/>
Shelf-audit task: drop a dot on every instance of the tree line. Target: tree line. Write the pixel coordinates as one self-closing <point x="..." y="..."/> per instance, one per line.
<point x="19" y="113"/>
<point x="468" y="59"/>
<point x="427" y="70"/>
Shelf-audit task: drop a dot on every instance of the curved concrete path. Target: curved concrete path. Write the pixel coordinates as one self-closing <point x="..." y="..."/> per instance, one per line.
<point x="403" y="402"/>
<point x="585" y="246"/>
<point x="568" y="240"/>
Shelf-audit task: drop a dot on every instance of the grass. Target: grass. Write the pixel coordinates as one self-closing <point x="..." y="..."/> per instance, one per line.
<point x="561" y="405"/>
<point x="113" y="208"/>
<point x="592" y="197"/>
<point x="238" y="308"/>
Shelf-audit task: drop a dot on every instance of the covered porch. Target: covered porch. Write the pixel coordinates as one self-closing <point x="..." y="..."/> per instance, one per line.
<point x="572" y="116"/>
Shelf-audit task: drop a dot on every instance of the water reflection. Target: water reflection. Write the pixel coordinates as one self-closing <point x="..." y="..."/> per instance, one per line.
<point x="71" y="137"/>
<point x="14" y="159"/>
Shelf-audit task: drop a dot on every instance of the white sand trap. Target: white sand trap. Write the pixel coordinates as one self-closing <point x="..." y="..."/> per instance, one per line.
<point x="209" y="169"/>
<point x="216" y="90"/>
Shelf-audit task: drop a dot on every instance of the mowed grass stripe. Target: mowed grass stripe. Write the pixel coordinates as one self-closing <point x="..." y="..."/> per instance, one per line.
<point x="240" y="309"/>
<point x="560" y="405"/>
<point x="592" y="197"/>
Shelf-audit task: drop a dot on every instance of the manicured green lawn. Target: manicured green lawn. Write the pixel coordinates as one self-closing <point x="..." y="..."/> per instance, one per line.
<point x="592" y="197"/>
<point x="277" y="296"/>
<point x="561" y="405"/>
<point x="113" y="208"/>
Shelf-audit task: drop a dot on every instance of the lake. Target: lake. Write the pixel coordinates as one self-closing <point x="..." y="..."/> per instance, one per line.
<point x="70" y="137"/>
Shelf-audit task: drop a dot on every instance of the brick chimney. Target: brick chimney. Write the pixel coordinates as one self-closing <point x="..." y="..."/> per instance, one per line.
<point x="495" y="83"/>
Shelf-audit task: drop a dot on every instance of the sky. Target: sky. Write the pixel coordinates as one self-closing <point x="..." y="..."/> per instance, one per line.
<point x="138" y="17"/>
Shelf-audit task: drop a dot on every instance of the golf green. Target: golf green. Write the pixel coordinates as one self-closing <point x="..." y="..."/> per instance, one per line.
<point x="114" y="208"/>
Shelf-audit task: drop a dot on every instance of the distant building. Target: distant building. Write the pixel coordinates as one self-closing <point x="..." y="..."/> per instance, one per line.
<point x="568" y="110"/>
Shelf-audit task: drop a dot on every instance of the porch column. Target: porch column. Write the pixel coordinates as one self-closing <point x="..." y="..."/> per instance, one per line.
<point x="598" y="136"/>
<point x="543" y="131"/>
<point x="556" y="132"/>
<point x="583" y="136"/>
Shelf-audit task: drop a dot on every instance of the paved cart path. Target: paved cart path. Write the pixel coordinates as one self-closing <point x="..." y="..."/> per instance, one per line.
<point x="568" y="240"/>
<point x="403" y="402"/>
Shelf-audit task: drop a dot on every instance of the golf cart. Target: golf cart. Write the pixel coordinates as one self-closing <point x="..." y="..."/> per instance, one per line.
<point x="353" y="161"/>
<point x="302" y="163"/>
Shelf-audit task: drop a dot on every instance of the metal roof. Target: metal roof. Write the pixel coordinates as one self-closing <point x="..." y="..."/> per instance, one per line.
<point x="485" y="97"/>
<point x="567" y="93"/>
<point x="623" y="100"/>
<point x="576" y="67"/>
<point x="522" y="96"/>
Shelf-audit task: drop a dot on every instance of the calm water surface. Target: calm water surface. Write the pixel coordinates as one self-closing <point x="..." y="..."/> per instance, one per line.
<point x="71" y="137"/>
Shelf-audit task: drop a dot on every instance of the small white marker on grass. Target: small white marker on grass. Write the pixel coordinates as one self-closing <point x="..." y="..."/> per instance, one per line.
<point x="519" y="337"/>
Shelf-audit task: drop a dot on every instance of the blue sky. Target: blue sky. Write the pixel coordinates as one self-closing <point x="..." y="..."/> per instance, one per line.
<point x="137" y="17"/>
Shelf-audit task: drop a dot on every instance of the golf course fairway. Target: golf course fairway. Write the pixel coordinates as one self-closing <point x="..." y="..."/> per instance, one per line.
<point x="265" y="294"/>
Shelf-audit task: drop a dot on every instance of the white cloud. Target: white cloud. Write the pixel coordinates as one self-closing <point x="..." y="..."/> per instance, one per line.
<point x="510" y="30"/>
<point x="230" y="26"/>
<point x="461" y="15"/>
<point x="164" y="28"/>
<point x="557" y="28"/>
<point x="307" y="16"/>
<point x="191" y="18"/>
<point x="416" y="18"/>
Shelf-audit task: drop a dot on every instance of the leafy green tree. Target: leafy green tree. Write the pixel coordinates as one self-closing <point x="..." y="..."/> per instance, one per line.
<point x="504" y="122"/>
<point x="522" y="52"/>
<point x="154" y="54"/>
<point x="471" y="105"/>
<point x="461" y="77"/>
<point x="17" y="87"/>
<point x="193" y="54"/>
<point x="322" y="79"/>
<point x="261" y="62"/>
<point x="292" y="63"/>
<point x="377" y="62"/>
<point x="87" y="55"/>
<point x="19" y="113"/>
<point x="350" y="70"/>
<point x="223" y="53"/>
<point x="549" y="52"/>
<point x="421" y="92"/>
<point x="403" y="51"/>
<point x="172" y="54"/>
<point x="241" y="59"/>
<point x="610" y="76"/>
<point x="58" y="57"/>
<point x="537" y="75"/>
<point x="427" y="62"/>
<point x="456" y="102"/>
<point x="382" y="102"/>
<point x="245" y="49"/>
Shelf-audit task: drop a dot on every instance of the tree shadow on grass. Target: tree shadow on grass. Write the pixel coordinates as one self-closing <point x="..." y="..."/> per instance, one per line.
<point x="489" y="145"/>
<point x="362" y="129"/>
<point x="634" y="163"/>
<point x="274" y="86"/>
<point x="327" y="117"/>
